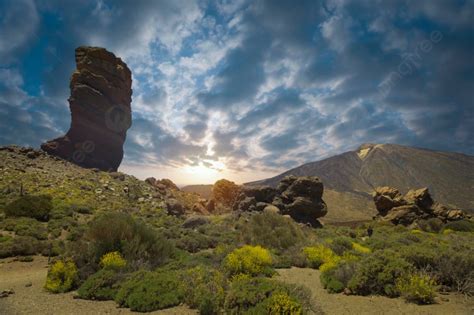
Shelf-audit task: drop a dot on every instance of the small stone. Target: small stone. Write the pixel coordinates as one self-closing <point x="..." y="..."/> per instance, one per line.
<point x="28" y="284"/>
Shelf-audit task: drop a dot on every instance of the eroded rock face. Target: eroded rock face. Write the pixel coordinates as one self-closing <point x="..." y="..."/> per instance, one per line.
<point x="101" y="94"/>
<point x="298" y="197"/>
<point x="416" y="205"/>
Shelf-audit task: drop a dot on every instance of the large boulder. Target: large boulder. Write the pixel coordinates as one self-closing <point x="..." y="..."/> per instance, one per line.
<point x="101" y="94"/>
<point x="297" y="197"/>
<point x="301" y="198"/>
<point x="416" y="205"/>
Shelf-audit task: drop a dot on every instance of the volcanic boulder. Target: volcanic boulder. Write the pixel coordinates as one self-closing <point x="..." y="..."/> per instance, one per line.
<point x="416" y="205"/>
<point x="101" y="94"/>
<point x="298" y="197"/>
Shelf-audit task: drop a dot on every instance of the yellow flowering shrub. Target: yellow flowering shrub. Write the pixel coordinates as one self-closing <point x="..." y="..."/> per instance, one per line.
<point x="447" y="231"/>
<point x="61" y="277"/>
<point x="283" y="304"/>
<point x="113" y="260"/>
<point x="360" y="248"/>
<point x="318" y="255"/>
<point x="418" y="288"/>
<point x="251" y="260"/>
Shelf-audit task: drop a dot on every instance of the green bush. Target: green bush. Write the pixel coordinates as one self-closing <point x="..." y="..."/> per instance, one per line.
<point x="250" y="260"/>
<point x="377" y="273"/>
<point x="423" y="256"/>
<point x="340" y="245"/>
<point x="62" y="277"/>
<point x="432" y="225"/>
<point x="138" y="243"/>
<point x="148" y="291"/>
<point x="271" y="230"/>
<point x="418" y="288"/>
<point x="103" y="285"/>
<point x="204" y="289"/>
<point x="248" y="295"/>
<point x="336" y="279"/>
<point x="26" y="227"/>
<point x="460" y="226"/>
<point x="20" y="246"/>
<point x="37" y="207"/>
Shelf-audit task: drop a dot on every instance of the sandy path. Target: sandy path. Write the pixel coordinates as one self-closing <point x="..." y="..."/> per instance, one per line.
<point x="341" y="304"/>
<point x="34" y="300"/>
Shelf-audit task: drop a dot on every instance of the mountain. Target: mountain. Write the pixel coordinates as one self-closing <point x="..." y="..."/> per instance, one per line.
<point x="349" y="178"/>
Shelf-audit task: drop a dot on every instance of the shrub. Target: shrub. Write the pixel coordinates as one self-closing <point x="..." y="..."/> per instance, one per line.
<point x="460" y="226"/>
<point x="61" y="277"/>
<point x="20" y="245"/>
<point x="251" y="260"/>
<point x="360" y="248"/>
<point x="336" y="276"/>
<point x="455" y="269"/>
<point x="271" y="230"/>
<point x="418" y="288"/>
<point x="433" y="225"/>
<point x="422" y="256"/>
<point x="148" y="291"/>
<point x="113" y="260"/>
<point x="377" y="273"/>
<point x="204" y="289"/>
<point x="339" y="245"/>
<point x="37" y="207"/>
<point x="103" y="285"/>
<point x="282" y="303"/>
<point x="262" y="296"/>
<point x="139" y="244"/>
<point x="26" y="227"/>
<point x="318" y="255"/>
<point x="225" y="192"/>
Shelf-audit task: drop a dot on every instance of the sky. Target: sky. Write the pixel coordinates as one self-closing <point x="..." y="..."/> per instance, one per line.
<point x="244" y="90"/>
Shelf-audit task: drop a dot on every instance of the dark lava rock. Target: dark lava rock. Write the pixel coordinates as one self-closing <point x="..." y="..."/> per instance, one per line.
<point x="101" y="94"/>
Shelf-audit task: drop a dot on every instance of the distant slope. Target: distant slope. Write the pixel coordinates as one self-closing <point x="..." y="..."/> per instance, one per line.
<point x="350" y="177"/>
<point x="204" y="191"/>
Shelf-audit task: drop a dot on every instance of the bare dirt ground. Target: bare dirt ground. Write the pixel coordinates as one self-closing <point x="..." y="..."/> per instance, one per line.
<point x="34" y="300"/>
<point x="340" y="304"/>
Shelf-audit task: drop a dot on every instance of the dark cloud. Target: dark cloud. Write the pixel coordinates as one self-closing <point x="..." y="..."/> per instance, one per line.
<point x="270" y="84"/>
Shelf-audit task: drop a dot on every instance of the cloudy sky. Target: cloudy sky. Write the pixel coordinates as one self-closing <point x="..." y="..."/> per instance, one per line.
<point x="247" y="89"/>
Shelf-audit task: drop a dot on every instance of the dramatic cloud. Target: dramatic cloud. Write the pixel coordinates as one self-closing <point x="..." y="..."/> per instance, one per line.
<point x="249" y="87"/>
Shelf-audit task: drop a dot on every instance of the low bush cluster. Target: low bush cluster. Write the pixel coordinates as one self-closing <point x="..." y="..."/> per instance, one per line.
<point x="249" y="260"/>
<point x="265" y="296"/>
<point x="113" y="260"/>
<point x="147" y="291"/>
<point x="103" y="285"/>
<point x="37" y="207"/>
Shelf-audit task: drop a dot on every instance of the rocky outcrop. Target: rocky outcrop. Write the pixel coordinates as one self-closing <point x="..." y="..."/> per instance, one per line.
<point x="162" y="184"/>
<point x="101" y="94"/>
<point x="298" y="197"/>
<point x="416" y="205"/>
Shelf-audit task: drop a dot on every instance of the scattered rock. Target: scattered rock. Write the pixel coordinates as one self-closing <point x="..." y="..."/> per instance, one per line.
<point x="200" y="208"/>
<point x="100" y="111"/>
<point x="28" y="284"/>
<point x="6" y="293"/>
<point x="162" y="184"/>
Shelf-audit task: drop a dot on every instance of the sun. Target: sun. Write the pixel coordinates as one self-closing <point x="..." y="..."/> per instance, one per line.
<point x="206" y="171"/>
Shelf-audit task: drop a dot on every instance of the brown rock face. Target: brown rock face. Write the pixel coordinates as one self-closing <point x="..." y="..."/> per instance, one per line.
<point x="298" y="197"/>
<point x="101" y="94"/>
<point x="416" y="205"/>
